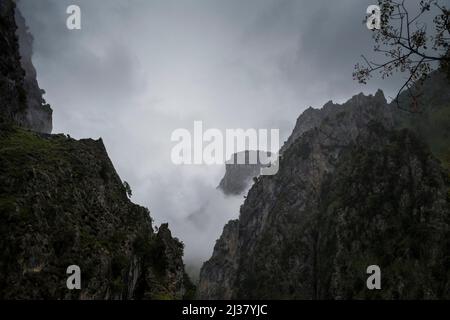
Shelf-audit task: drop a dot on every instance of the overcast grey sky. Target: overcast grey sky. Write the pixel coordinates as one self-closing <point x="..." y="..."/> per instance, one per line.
<point x="140" y="69"/>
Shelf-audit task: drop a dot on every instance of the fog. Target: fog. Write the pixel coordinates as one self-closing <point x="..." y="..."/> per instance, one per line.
<point x="138" y="70"/>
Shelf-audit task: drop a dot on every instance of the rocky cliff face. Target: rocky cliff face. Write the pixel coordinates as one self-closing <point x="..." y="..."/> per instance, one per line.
<point x="22" y="101"/>
<point x="239" y="175"/>
<point x="352" y="191"/>
<point x="13" y="102"/>
<point x="218" y="275"/>
<point x="62" y="203"/>
<point x="38" y="115"/>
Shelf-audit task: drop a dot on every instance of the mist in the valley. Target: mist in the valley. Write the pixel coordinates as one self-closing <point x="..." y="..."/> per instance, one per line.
<point x="139" y="69"/>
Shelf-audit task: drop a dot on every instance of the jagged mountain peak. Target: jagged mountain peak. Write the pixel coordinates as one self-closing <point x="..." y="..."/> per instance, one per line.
<point x="357" y="110"/>
<point x="239" y="176"/>
<point x="353" y="190"/>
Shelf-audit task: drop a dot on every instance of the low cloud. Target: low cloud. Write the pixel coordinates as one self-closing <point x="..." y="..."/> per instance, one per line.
<point x="140" y="69"/>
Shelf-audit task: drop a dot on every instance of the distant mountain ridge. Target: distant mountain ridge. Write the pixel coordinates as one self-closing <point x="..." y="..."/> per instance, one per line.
<point x="239" y="176"/>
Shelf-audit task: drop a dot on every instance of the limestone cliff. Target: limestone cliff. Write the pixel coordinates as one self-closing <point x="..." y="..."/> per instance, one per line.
<point x="38" y="114"/>
<point x="62" y="203"/>
<point x="353" y="190"/>
<point x="239" y="175"/>
<point x="22" y="101"/>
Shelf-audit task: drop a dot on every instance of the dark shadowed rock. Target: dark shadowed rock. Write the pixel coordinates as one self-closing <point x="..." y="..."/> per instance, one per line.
<point x="62" y="203"/>
<point x="353" y="190"/>
<point x="22" y="101"/>
<point x="239" y="175"/>
<point x="38" y="115"/>
<point x="218" y="274"/>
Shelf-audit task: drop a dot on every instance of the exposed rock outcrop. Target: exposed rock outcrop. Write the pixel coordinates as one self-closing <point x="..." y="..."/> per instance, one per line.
<point x="62" y="203"/>
<point x="313" y="118"/>
<point x="12" y="91"/>
<point x="22" y="101"/>
<point x="38" y="114"/>
<point x="218" y="275"/>
<point x="352" y="191"/>
<point x="239" y="174"/>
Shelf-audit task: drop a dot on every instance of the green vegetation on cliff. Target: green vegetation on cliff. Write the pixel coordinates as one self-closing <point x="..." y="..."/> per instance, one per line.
<point x="359" y="184"/>
<point x="62" y="203"/>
